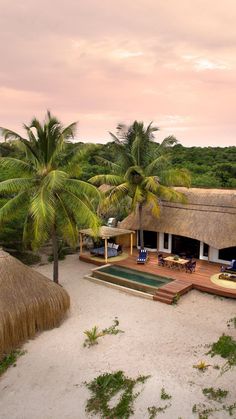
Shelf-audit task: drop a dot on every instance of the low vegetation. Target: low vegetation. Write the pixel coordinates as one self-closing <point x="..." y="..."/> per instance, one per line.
<point x="94" y="334"/>
<point x="204" y="411"/>
<point x="231" y="322"/>
<point x="215" y="394"/>
<point x="164" y="395"/>
<point x="201" y="366"/>
<point x="176" y="299"/>
<point x="106" y="387"/>
<point x="154" y="410"/>
<point x="226" y="348"/>
<point x="10" y="359"/>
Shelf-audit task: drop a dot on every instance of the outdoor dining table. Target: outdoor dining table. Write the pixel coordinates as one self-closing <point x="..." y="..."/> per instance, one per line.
<point x="171" y="262"/>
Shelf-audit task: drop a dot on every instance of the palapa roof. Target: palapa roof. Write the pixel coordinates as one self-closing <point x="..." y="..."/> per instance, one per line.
<point x="29" y="303"/>
<point x="106" y="232"/>
<point x="209" y="216"/>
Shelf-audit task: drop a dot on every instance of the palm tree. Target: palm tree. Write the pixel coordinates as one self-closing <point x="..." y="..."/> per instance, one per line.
<point x="44" y="184"/>
<point x="143" y="171"/>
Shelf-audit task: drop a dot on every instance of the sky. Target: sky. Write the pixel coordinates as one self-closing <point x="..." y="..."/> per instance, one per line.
<point x="104" y="62"/>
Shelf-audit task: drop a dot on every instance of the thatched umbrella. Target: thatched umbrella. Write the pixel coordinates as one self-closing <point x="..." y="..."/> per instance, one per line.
<point x="29" y="303"/>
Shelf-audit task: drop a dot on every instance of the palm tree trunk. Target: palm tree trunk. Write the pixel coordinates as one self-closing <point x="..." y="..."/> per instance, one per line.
<point x="55" y="255"/>
<point x="140" y="212"/>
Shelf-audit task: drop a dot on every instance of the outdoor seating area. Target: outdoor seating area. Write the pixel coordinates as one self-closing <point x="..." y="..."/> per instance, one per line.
<point x="177" y="262"/>
<point x="107" y="235"/>
<point x="113" y="250"/>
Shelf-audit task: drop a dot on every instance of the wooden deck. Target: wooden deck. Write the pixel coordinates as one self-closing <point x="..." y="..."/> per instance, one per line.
<point x="183" y="282"/>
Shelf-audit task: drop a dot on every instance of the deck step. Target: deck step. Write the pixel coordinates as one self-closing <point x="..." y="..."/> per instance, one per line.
<point x="162" y="299"/>
<point x="167" y="293"/>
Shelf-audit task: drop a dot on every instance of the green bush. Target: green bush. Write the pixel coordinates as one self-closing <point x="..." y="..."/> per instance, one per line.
<point x="27" y="258"/>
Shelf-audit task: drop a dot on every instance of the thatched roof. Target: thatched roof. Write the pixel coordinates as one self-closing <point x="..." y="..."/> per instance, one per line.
<point x="209" y="216"/>
<point x="29" y="302"/>
<point x="106" y="232"/>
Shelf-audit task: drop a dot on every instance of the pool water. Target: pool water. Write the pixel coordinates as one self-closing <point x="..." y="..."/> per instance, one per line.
<point x="135" y="276"/>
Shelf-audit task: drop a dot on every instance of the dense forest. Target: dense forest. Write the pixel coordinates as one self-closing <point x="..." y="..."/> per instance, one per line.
<point x="210" y="167"/>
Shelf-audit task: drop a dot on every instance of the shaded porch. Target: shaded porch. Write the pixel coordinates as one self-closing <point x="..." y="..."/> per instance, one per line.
<point x="104" y="233"/>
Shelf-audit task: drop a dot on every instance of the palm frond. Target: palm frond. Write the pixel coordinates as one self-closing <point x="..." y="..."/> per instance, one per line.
<point x="9" y="134"/>
<point x="9" y="210"/>
<point x="13" y="165"/>
<point x="175" y="177"/>
<point x="69" y="131"/>
<point x="108" y="163"/>
<point x="116" y="195"/>
<point x="12" y="186"/>
<point x="42" y="210"/>
<point x="138" y="198"/>
<point x="80" y="187"/>
<point x="153" y="202"/>
<point x="112" y="180"/>
<point x="151" y="183"/>
<point x="169" y="194"/>
<point x="115" y="138"/>
<point x="83" y="214"/>
<point x="156" y="166"/>
<point x="55" y="180"/>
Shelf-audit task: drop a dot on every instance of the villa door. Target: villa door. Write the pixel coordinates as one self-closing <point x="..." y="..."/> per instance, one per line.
<point x="150" y="239"/>
<point x="185" y="246"/>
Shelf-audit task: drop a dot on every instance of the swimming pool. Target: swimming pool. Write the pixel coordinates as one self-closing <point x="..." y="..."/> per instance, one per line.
<point x="130" y="278"/>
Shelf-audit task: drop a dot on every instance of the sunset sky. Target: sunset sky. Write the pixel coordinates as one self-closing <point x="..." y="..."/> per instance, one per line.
<point x="101" y="62"/>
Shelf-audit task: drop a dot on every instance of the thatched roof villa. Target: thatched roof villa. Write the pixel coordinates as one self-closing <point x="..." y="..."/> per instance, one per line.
<point x="29" y="303"/>
<point x="205" y="228"/>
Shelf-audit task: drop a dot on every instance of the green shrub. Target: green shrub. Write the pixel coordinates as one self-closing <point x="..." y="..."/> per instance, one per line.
<point x="93" y="334"/>
<point x="27" y="257"/>
<point x="10" y="359"/>
<point x="215" y="394"/>
<point x="226" y="348"/>
<point x="105" y="387"/>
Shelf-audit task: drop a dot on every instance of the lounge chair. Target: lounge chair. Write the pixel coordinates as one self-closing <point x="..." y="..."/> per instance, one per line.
<point x="143" y="256"/>
<point x="231" y="267"/>
<point x="190" y="266"/>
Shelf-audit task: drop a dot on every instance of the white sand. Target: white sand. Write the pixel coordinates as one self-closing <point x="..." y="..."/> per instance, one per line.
<point x="161" y="340"/>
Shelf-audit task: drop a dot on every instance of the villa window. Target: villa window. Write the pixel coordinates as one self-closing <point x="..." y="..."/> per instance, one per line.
<point x="166" y="241"/>
<point x="228" y="253"/>
<point x="205" y="250"/>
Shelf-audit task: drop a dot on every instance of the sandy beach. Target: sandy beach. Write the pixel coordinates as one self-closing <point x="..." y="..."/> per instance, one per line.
<point x="160" y="340"/>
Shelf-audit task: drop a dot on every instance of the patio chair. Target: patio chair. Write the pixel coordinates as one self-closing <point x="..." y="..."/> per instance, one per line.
<point x="231" y="267"/>
<point x="143" y="256"/>
<point x="160" y="260"/>
<point x="190" y="266"/>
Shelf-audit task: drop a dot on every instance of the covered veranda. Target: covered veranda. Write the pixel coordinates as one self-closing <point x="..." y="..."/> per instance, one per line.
<point x="105" y="233"/>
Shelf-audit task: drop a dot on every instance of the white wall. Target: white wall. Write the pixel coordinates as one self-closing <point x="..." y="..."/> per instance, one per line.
<point x="214" y="256"/>
<point x="161" y="243"/>
<point x="201" y="256"/>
